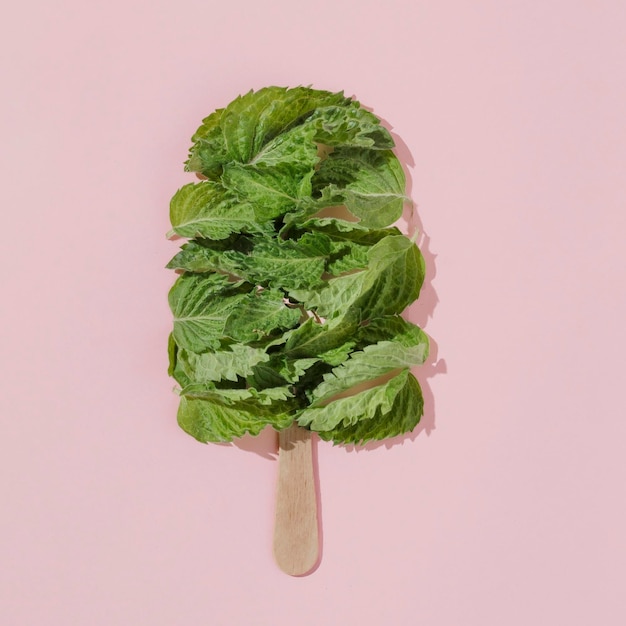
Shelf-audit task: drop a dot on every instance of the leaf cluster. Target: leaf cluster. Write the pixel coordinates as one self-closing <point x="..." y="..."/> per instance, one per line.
<point x="282" y="311"/>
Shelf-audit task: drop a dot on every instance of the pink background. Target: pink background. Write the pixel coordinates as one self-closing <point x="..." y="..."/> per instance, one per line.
<point x="507" y="507"/>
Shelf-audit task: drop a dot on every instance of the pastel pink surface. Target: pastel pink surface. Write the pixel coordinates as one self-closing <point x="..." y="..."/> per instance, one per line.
<point x="508" y="505"/>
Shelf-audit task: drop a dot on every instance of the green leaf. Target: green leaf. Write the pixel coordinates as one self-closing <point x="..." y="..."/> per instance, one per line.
<point x="403" y="417"/>
<point x="361" y="406"/>
<point x="208" y="153"/>
<point x="338" y="355"/>
<point x="294" y="369"/>
<point x="206" y="209"/>
<point x="369" y="182"/>
<point x="294" y="149"/>
<point x="280" y="370"/>
<point x="334" y="298"/>
<point x="347" y="237"/>
<point x="236" y="361"/>
<point x="175" y="369"/>
<point x="201" y="304"/>
<point x="258" y="314"/>
<point x="265" y="261"/>
<point x="264" y="401"/>
<point x="392" y="328"/>
<point x="266" y="376"/>
<point x="210" y="420"/>
<point x="311" y="338"/>
<point x="172" y="350"/>
<point x="194" y="257"/>
<point x="391" y="281"/>
<point x="271" y="191"/>
<point x="373" y="361"/>
<point x="349" y="126"/>
<point x="208" y="126"/>
<point x="252" y="120"/>
<point x="205" y="255"/>
<point x="347" y="257"/>
<point x="287" y="264"/>
<point x="393" y="278"/>
<point x="342" y="231"/>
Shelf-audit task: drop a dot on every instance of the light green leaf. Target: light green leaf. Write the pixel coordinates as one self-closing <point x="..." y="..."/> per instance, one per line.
<point x="393" y="278"/>
<point x="294" y="149"/>
<point x="236" y="361"/>
<point x="349" y="126"/>
<point x="335" y="297"/>
<point x="264" y="401"/>
<point x="209" y="124"/>
<point x="369" y="182"/>
<point x="338" y="355"/>
<point x="266" y="261"/>
<point x="392" y="328"/>
<point x="201" y="304"/>
<point x="258" y="314"/>
<point x="206" y="209"/>
<point x="403" y="417"/>
<point x="208" y="153"/>
<point x="304" y="221"/>
<point x="252" y="120"/>
<point x="211" y="420"/>
<point x="361" y="406"/>
<point x="373" y="361"/>
<point x="311" y="338"/>
<point x="347" y="257"/>
<point x="288" y="264"/>
<point x="391" y="281"/>
<point x="339" y="230"/>
<point x="194" y="257"/>
<point x="271" y="191"/>
<point x="348" y="232"/>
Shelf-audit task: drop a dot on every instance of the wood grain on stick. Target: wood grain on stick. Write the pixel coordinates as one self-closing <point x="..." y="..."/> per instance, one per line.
<point x="296" y="535"/>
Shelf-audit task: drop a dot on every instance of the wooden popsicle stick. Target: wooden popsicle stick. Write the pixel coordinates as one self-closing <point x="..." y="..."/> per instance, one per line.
<point x="296" y="533"/>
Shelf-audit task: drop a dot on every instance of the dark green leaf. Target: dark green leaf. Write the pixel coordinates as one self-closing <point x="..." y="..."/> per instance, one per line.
<point x="175" y="369"/>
